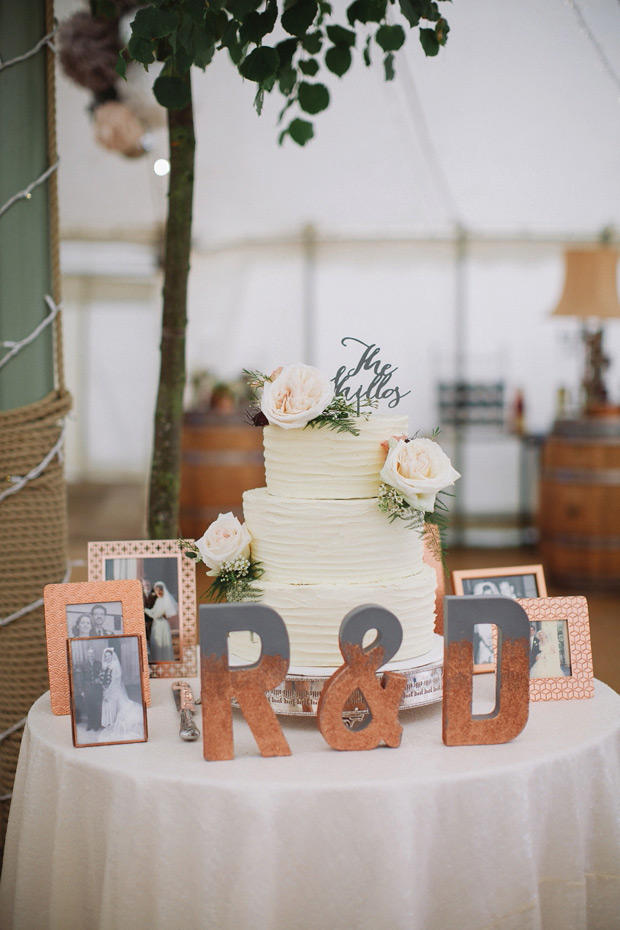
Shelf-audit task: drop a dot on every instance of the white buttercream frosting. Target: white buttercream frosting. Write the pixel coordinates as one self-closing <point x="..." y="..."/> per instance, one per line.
<point x="313" y="614"/>
<point x="325" y="546"/>
<point x="314" y="541"/>
<point x="321" y="463"/>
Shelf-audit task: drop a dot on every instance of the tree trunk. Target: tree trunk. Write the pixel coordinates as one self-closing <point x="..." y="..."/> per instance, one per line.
<point x="163" y="508"/>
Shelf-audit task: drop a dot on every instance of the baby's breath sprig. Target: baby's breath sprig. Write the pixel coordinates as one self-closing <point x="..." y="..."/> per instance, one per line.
<point x="235" y="581"/>
<point x="342" y="415"/>
<point x="392" y="503"/>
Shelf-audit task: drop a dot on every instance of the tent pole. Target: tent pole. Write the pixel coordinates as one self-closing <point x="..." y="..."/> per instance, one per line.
<point x="460" y="370"/>
<point x="309" y="243"/>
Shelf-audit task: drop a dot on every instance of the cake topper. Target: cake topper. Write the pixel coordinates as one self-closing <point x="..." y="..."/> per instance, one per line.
<point x="351" y="383"/>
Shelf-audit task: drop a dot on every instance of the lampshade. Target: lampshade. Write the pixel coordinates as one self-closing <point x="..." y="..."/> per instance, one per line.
<point x="590" y="284"/>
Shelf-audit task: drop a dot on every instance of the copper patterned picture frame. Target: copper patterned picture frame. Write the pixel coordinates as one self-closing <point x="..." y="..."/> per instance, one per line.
<point x="107" y="692"/>
<point x="560" y="650"/>
<point x="117" y="603"/>
<point x="168" y="591"/>
<point x="517" y="581"/>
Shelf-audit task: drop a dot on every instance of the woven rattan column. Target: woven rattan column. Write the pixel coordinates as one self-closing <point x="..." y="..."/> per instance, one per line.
<point x="33" y="399"/>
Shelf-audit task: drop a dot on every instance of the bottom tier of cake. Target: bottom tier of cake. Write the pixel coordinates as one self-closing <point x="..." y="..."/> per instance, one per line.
<point x="313" y="614"/>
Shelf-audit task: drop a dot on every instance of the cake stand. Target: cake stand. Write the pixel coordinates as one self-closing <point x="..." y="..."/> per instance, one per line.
<point x="298" y="695"/>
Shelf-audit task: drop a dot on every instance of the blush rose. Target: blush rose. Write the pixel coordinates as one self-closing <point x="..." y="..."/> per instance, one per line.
<point x="224" y="540"/>
<point x="296" y="395"/>
<point x="418" y="469"/>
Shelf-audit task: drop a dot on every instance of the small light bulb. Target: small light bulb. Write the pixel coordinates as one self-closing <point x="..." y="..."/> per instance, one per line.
<point x="161" y="167"/>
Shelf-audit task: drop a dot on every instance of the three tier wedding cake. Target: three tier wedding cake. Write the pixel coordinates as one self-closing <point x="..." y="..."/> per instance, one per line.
<point x="339" y="524"/>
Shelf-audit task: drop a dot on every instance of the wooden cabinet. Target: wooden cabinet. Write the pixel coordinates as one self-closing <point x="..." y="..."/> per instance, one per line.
<point x="579" y="515"/>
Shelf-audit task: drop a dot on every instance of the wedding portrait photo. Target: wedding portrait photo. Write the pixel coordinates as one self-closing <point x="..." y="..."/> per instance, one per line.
<point x="484" y="647"/>
<point x="514" y="581"/>
<point x="508" y="581"/>
<point x="159" y="576"/>
<point x="94" y="619"/>
<point x="107" y="702"/>
<point x="549" y="649"/>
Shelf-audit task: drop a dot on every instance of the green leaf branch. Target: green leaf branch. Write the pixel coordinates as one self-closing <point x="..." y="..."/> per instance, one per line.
<point x="182" y="33"/>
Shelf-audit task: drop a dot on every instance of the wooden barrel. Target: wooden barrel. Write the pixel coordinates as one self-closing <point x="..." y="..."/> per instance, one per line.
<point x="222" y="456"/>
<point x="579" y="510"/>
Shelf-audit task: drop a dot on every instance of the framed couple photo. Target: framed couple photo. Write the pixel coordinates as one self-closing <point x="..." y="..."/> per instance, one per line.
<point x="560" y="649"/>
<point x="167" y="580"/>
<point x="89" y="609"/>
<point x="517" y="581"/>
<point x="106" y="687"/>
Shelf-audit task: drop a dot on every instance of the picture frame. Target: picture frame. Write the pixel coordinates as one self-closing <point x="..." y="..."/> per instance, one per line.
<point x="169" y="614"/>
<point x="66" y="600"/>
<point x="106" y="675"/>
<point x="525" y="581"/>
<point x="567" y="649"/>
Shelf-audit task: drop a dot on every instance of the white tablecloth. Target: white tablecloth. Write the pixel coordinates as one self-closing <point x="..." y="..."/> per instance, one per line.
<point x="519" y="836"/>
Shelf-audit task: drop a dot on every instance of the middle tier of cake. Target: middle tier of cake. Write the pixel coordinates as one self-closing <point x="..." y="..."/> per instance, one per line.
<point x="313" y="614"/>
<point x="301" y="541"/>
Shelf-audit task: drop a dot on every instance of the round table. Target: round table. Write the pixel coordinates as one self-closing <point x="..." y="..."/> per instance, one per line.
<point x="522" y="835"/>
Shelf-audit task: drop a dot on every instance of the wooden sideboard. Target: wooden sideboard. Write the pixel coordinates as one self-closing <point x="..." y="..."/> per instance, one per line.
<point x="579" y="508"/>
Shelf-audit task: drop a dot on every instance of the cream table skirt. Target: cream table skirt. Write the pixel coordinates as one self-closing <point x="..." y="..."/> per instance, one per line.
<point x="515" y="837"/>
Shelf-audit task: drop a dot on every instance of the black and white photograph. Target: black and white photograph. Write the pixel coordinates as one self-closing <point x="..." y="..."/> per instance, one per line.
<point x="549" y="649"/>
<point x="98" y="619"/>
<point x="517" y="581"/>
<point x="107" y="703"/>
<point x="502" y="586"/>
<point x="508" y="586"/>
<point x="509" y="581"/>
<point x="159" y="576"/>
<point x="484" y="647"/>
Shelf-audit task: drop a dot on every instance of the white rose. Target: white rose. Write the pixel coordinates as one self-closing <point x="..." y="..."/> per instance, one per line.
<point x="297" y="394"/>
<point x="419" y="469"/>
<point x="224" y="540"/>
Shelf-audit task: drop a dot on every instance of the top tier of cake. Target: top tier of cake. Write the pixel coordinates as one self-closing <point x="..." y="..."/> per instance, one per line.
<point x="321" y="463"/>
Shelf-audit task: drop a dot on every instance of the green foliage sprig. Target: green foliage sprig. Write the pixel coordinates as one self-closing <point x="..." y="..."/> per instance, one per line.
<point x="396" y="507"/>
<point x="342" y="415"/>
<point x="189" y="548"/>
<point x="256" y="381"/>
<point x="236" y="579"/>
<point x="392" y="503"/>
<point x="182" y="33"/>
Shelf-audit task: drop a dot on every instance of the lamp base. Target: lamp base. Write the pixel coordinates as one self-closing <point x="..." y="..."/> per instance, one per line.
<point x="596" y="363"/>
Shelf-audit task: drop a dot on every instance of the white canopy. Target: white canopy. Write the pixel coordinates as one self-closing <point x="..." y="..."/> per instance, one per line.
<point x="518" y="109"/>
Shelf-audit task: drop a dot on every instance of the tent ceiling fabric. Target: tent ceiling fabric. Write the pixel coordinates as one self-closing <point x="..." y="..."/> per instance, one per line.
<point x="522" y="114"/>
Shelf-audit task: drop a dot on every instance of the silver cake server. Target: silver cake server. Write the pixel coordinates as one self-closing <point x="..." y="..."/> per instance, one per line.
<point x="186" y="706"/>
